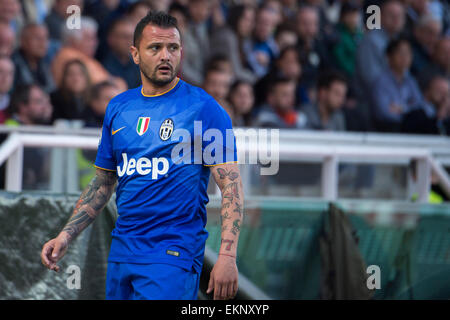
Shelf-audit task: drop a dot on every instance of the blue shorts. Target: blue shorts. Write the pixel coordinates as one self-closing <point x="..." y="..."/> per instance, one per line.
<point x="155" y="281"/>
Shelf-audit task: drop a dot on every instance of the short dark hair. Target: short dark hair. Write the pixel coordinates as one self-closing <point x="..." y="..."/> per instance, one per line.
<point x="212" y="69"/>
<point x="235" y="14"/>
<point x="136" y="5"/>
<point x="284" y="27"/>
<point x="238" y="83"/>
<point x="327" y="78"/>
<point x="117" y="22"/>
<point x="157" y="18"/>
<point x="21" y="96"/>
<point x="97" y="89"/>
<point x="277" y="81"/>
<point x="214" y="61"/>
<point x="394" y="44"/>
<point x="179" y="8"/>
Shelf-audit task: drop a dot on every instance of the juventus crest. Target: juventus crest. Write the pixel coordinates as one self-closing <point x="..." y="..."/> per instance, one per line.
<point x="166" y="129"/>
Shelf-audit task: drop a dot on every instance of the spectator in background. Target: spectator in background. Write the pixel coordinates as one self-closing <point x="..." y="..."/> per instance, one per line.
<point x="6" y="83"/>
<point x="275" y="7"/>
<point x="7" y="39"/>
<point x="288" y="9"/>
<point x="196" y="42"/>
<point x="415" y="10"/>
<point x="279" y="110"/>
<point x="425" y="35"/>
<point x="395" y="92"/>
<point x="263" y="48"/>
<point x="217" y="83"/>
<point x="56" y="20"/>
<point x="312" y="50"/>
<point x="325" y="27"/>
<point x="349" y="35"/>
<point x="232" y="38"/>
<point x="37" y="10"/>
<point x="326" y="113"/>
<point x="118" y="59"/>
<point x="285" y="36"/>
<point x="434" y="118"/>
<point x="100" y="10"/>
<point x="99" y="97"/>
<point x="180" y="13"/>
<point x="11" y="13"/>
<point x="136" y="11"/>
<point x="159" y="5"/>
<point x="242" y="100"/>
<point x="370" y="56"/>
<point x="70" y="99"/>
<point x="30" y="105"/>
<point x="440" y="63"/>
<point x="80" y="44"/>
<point x="221" y="62"/>
<point x="29" y="59"/>
<point x="286" y="65"/>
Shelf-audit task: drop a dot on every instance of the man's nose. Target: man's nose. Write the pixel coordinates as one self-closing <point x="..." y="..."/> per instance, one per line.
<point x="165" y="55"/>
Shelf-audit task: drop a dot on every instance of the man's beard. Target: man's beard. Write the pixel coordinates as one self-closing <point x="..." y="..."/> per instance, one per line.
<point x="153" y="78"/>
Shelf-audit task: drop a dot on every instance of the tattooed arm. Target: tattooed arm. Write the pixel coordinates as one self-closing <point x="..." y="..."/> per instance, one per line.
<point x="224" y="276"/>
<point x="91" y="202"/>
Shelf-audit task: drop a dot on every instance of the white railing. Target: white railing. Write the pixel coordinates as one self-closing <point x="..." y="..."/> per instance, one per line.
<point x="310" y="147"/>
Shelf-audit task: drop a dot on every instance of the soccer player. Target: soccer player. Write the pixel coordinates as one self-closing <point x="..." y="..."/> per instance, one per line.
<point x="159" y="238"/>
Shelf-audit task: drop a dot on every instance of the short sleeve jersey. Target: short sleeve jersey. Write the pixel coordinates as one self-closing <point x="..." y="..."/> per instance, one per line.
<point x="161" y="148"/>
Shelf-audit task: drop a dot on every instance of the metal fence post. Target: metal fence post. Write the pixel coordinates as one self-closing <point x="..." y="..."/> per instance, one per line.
<point x="330" y="178"/>
<point x="423" y="179"/>
<point x="14" y="170"/>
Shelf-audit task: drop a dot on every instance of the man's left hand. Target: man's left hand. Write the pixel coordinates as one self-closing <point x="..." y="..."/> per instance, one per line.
<point x="224" y="278"/>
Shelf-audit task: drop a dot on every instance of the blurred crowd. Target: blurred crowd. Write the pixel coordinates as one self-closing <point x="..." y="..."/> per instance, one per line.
<point x="305" y="64"/>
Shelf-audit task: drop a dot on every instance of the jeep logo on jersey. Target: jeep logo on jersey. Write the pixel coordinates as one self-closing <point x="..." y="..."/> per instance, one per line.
<point x="143" y="166"/>
<point x="142" y="125"/>
<point x="166" y="129"/>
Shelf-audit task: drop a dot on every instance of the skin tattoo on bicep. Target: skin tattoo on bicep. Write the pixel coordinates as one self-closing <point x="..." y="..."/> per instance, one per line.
<point x="232" y="175"/>
<point x="231" y="191"/>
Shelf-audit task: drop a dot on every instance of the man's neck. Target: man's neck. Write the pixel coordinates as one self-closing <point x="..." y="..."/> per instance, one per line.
<point x="149" y="89"/>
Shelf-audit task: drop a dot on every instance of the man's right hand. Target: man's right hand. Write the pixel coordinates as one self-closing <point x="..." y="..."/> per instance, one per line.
<point x="53" y="251"/>
<point x="91" y="203"/>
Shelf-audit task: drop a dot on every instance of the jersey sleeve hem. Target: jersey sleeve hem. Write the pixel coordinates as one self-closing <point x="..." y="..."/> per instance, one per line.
<point x="218" y="164"/>
<point x="104" y="164"/>
<point x="104" y="168"/>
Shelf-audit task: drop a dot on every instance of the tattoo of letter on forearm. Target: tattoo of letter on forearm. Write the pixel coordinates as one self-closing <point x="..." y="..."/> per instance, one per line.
<point x="229" y="244"/>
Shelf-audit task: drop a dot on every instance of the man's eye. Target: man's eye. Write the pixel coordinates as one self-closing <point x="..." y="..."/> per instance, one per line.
<point x="174" y="48"/>
<point x="154" y="48"/>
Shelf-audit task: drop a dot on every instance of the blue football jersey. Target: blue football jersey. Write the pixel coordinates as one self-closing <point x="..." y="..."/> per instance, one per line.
<point x="157" y="146"/>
